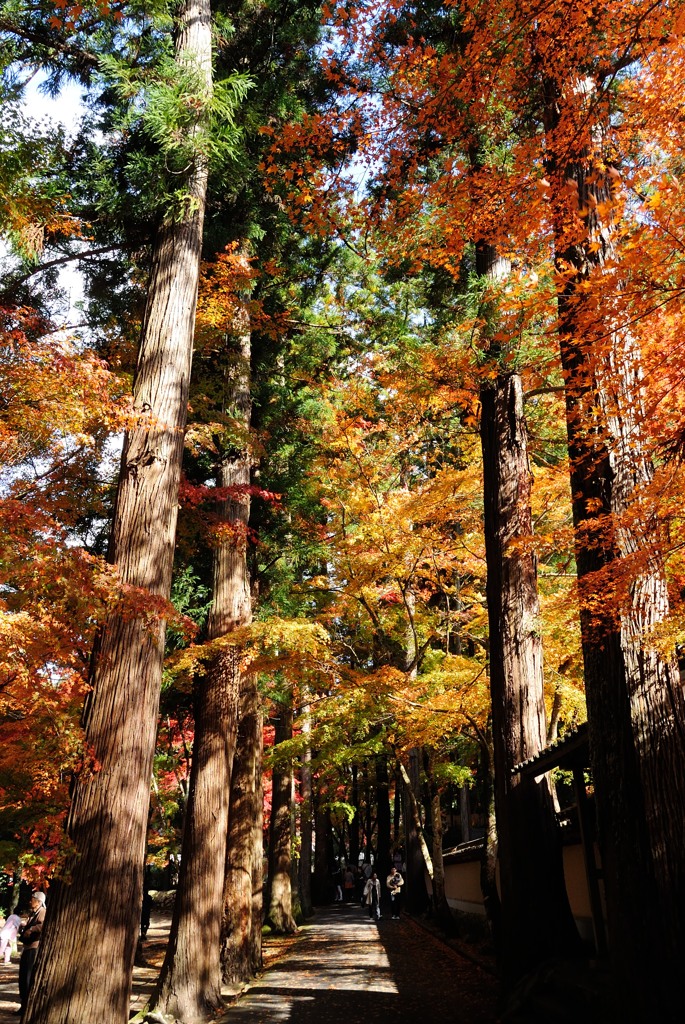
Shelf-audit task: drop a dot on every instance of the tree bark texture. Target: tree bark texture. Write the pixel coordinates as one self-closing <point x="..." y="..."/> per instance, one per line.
<point x="189" y="985"/>
<point x="636" y="713"/>
<point x="279" y="889"/>
<point x="536" y="917"/>
<point x="94" y="917"/>
<point x="244" y="839"/>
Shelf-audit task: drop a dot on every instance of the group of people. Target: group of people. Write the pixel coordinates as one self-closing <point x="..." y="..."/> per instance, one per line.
<point x="363" y="884"/>
<point x="372" y="894"/>
<point x="29" y="935"/>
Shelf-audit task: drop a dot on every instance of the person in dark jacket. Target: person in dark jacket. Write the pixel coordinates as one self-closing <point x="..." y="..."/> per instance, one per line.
<point x="30" y="934"/>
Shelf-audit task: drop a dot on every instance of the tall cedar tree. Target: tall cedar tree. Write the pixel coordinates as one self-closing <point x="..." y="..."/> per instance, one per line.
<point x="532" y="882"/>
<point x="278" y="902"/>
<point x="636" y="711"/>
<point x="93" y="918"/>
<point x="189" y="986"/>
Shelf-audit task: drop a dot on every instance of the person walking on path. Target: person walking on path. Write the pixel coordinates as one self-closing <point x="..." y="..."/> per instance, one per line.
<point x="395" y="882"/>
<point x="8" y="936"/>
<point x="30" y="936"/>
<point x="372" y="896"/>
<point x="348" y="884"/>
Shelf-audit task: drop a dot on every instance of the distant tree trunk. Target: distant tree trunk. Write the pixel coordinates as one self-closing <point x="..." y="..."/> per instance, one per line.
<point x="92" y="923"/>
<point x="441" y="907"/>
<point x="258" y="841"/>
<point x="419" y="860"/>
<point x="306" y="820"/>
<point x="636" y="712"/>
<point x="237" y="897"/>
<point x="397" y="812"/>
<point x="279" y="891"/>
<point x="488" y="864"/>
<point x="189" y="985"/>
<point x="323" y="852"/>
<point x="384" y="858"/>
<point x="464" y="823"/>
<point x="354" y="824"/>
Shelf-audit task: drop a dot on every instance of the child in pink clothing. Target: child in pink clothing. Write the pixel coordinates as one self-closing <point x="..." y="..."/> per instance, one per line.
<point x="8" y="935"/>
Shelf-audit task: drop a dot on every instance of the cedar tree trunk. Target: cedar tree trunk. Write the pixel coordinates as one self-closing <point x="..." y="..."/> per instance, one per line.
<point x="189" y="985"/>
<point x="536" y="917"/>
<point x="279" y="890"/>
<point x="244" y="839"/>
<point x="88" y="946"/>
<point x="636" y="712"/>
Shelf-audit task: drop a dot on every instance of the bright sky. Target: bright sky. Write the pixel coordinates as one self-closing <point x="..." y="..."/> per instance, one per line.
<point x="65" y="109"/>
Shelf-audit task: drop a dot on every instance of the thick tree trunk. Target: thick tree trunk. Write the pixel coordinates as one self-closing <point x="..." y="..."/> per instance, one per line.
<point x="189" y="985"/>
<point x="636" y="712"/>
<point x="536" y="917"/>
<point x="279" y="893"/>
<point x="93" y="921"/>
<point x="244" y="838"/>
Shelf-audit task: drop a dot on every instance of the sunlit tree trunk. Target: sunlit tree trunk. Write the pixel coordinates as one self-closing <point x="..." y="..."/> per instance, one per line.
<point x="279" y="889"/>
<point x="189" y="985"/>
<point x="636" y="713"/>
<point x="536" y="917"/>
<point x="244" y="843"/>
<point x="88" y="947"/>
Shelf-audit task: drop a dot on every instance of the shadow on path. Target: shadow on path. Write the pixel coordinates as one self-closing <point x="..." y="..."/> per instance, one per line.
<point x="345" y="969"/>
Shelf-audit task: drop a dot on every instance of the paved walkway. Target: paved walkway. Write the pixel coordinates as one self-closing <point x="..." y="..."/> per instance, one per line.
<point x="341" y="969"/>
<point x="9" y="991"/>
<point x="345" y="969"/>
